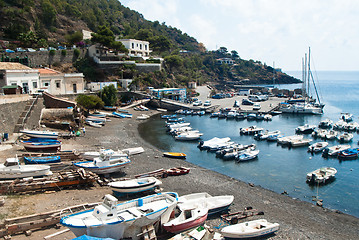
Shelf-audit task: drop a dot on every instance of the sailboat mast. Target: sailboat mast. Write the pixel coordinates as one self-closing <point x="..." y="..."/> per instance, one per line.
<point x="309" y="73"/>
<point x="273" y="74"/>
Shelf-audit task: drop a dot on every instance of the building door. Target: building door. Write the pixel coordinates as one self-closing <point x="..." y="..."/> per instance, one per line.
<point x="74" y="88"/>
<point x="25" y="87"/>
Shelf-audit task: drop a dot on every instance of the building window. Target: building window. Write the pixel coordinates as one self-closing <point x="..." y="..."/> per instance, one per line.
<point x="145" y="47"/>
<point x="140" y="46"/>
<point x="133" y="45"/>
<point x="46" y="84"/>
<point x="57" y="84"/>
<point x="34" y="84"/>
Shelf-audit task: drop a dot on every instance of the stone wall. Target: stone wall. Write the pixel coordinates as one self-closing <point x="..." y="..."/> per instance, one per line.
<point x="9" y="115"/>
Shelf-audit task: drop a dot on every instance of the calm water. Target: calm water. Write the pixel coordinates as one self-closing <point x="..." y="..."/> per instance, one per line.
<point x="279" y="168"/>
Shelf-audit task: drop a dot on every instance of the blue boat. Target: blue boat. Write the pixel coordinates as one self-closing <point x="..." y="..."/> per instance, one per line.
<point x="41" y="144"/>
<point x="42" y="160"/>
<point x="122" y="115"/>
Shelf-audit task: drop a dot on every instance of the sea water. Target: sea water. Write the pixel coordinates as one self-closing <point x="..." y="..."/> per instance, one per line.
<point x="280" y="168"/>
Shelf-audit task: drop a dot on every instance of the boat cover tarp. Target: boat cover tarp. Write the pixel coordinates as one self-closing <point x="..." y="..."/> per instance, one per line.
<point x="86" y="237"/>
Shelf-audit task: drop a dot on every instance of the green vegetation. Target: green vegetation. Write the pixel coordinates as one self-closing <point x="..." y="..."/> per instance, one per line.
<point x="90" y="102"/>
<point x="109" y="95"/>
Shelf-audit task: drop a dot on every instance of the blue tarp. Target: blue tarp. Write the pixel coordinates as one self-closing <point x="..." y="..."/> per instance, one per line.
<point x="85" y="237"/>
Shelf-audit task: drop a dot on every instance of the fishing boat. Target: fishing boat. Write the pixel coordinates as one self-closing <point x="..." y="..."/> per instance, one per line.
<point x="40" y="134"/>
<point x="334" y="150"/>
<point x="12" y="169"/>
<point x="190" y="217"/>
<point x="122" y="220"/>
<point x="348" y="154"/>
<point x="305" y="129"/>
<point x="96" y="154"/>
<point x="176" y="171"/>
<point x="214" y="141"/>
<point x="345" y="137"/>
<point x="134" y="185"/>
<point x="215" y="204"/>
<point x="41" y="144"/>
<point x="317" y="147"/>
<point x="347" y="117"/>
<point x="174" y="155"/>
<point x="321" y="175"/>
<point x="42" y="160"/>
<point x="250" y="130"/>
<point x="326" y="123"/>
<point x="101" y="120"/>
<point x="250" y="229"/>
<point x="300" y="142"/>
<point x="122" y="115"/>
<point x="104" y="164"/>
<point x="110" y="108"/>
<point x="247" y="155"/>
<point x="97" y="114"/>
<point x="288" y="139"/>
<point x="143" y="117"/>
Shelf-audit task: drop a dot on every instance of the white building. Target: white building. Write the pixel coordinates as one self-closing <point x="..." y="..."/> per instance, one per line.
<point x="97" y="86"/>
<point x="225" y="61"/>
<point x="19" y="74"/>
<point x="125" y="83"/>
<point x="136" y="48"/>
<point x="86" y="35"/>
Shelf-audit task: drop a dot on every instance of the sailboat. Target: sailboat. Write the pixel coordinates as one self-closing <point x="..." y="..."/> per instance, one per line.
<point x="306" y="105"/>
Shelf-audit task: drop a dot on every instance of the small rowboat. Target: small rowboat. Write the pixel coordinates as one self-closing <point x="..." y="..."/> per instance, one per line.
<point x="250" y="229"/>
<point x="42" y="160"/>
<point x="40" y="134"/>
<point x="178" y="171"/>
<point x="134" y="185"/>
<point x="41" y="144"/>
<point x="174" y="155"/>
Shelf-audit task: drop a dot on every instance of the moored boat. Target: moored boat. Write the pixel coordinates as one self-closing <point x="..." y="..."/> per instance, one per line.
<point x="123" y="220"/>
<point x="348" y="154"/>
<point x="321" y="175"/>
<point x="134" y="185"/>
<point x="305" y="129"/>
<point x="317" y="147"/>
<point x="250" y="229"/>
<point x="247" y="155"/>
<point x="345" y="137"/>
<point x="174" y="155"/>
<point x="334" y="150"/>
<point x="300" y="142"/>
<point x="12" y="169"/>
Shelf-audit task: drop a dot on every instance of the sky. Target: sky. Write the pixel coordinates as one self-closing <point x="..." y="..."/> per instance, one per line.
<point x="275" y="32"/>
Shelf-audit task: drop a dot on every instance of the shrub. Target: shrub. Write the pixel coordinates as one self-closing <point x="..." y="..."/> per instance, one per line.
<point x="52" y="52"/>
<point x="76" y="52"/>
<point x="63" y="52"/>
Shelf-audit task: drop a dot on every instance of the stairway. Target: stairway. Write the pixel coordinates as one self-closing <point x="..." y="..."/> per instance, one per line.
<point x="25" y="114"/>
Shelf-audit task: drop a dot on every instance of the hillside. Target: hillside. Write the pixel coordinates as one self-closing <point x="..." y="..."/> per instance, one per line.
<point x="42" y="23"/>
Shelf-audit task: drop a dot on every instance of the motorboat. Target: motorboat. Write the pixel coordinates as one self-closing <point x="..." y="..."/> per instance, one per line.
<point x="174" y="155"/>
<point x="351" y="127"/>
<point x="317" y="147"/>
<point x="133" y="151"/>
<point x="40" y="134"/>
<point x="347" y="117"/>
<point x="321" y="175"/>
<point x="340" y="125"/>
<point x="289" y="139"/>
<point x="348" y="154"/>
<point x="95" y="154"/>
<point x="334" y="150"/>
<point x="305" y="129"/>
<point x="41" y="160"/>
<point x="122" y="220"/>
<point x="12" y="169"/>
<point x="330" y="135"/>
<point x="105" y="163"/>
<point x="213" y="142"/>
<point x="37" y="144"/>
<point x="345" y="137"/>
<point x="189" y="217"/>
<point x="250" y="229"/>
<point x="176" y="171"/>
<point x="143" y="117"/>
<point x="267" y="117"/>
<point x="266" y="134"/>
<point x="215" y="204"/>
<point x="247" y="155"/>
<point x="300" y="142"/>
<point x="300" y="108"/>
<point x="189" y="136"/>
<point x="250" y="130"/>
<point x="326" y="123"/>
<point x="134" y="185"/>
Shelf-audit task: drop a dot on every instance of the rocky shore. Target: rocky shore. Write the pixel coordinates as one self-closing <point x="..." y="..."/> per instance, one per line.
<point x="297" y="219"/>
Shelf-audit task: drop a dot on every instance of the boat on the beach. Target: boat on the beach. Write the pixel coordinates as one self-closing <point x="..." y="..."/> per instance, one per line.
<point x="317" y="147"/>
<point x="122" y="220"/>
<point x="41" y="160"/>
<point x="143" y="117"/>
<point x="321" y="175"/>
<point x="104" y="163"/>
<point x="94" y="124"/>
<point x="134" y="185"/>
<point x="215" y="204"/>
<point x="41" y="144"/>
<point x="250" y="229"/>
<point x="174" y="155"/>
<point x="189" y="217"/>
<point x="133" y="151"/>
<point x="122" y="115"/>
<point x="110" y="108"/>
<point x="334" y="150"/>
<point x="40" y="134"/>
<point x="176" y="171"/>
<point x="95" y="154"/>
<point x="12" y="169"/>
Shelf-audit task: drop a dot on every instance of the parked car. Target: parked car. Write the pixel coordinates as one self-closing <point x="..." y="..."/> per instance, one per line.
<point x="247" y="102"/>
<point x="9" y="51"/>
<point x="197" y="103"/>
<point x="207" y="103"/>
<point x="61" y="48"/>
<point x="19" y="49"/>
<point x="42" y="49"/>
<point x="218" y="96"/>
<point x="256" y="106"/>
<point x="51" y="48"/>
<point x="31" y="50"/>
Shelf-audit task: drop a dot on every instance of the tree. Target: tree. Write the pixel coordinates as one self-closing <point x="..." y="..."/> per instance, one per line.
<point x="119" y="47"/>
<point x="160" y="43"/>
<point x="103" y="36"/>
<point x="223" y="50"/>
<point x="74" y="38"/>
<point x="174" y="61"/>
<point x="90" y="101"/>
<point x="234" y="54"/>
<point x="28" y="39"/>
<point x="109" y="95"/>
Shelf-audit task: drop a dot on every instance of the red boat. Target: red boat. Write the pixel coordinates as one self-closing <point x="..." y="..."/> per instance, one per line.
<point x="188" y="218"/>
<point x="178" y="171"/>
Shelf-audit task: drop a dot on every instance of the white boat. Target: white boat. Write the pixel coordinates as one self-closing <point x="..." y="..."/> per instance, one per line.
<point x="250" y="130"/>
<point x="96" y="154"/>
<point x="214" y="141"/>
<point x="247" y="155"/>
<point x="334" y="150"/>
<point x="215" y="204"/>
<point x="133" y="151"/>
<point x="134" y="185"/>
<point x="143" y="117"/>
<point x="306" y="128"/>
<point x="94" y="124"/>
<point x="188" y="136"/>
<point x="267" y="117"/>
<point x="347" y="117"/>
<point x="345" y="137"/>
<point x="190" y="217"/>
<point x="300" y="142"/>
<point x="40" y="134"/>
<point x="340" y="125"/>
<point x="317" y="147"/>
<point x="289" y="139"/>
<point x="105" y="163"/>
<point x="351" y="126"/>
<point x="301" y="108"/>
<point x="266" y="134"/>
<point x="326" y="123"/>
<point x="331" y="135"/>
<point x="123" y="220"/>
<point x="250" y="229"/>
<point x="12" y="169"/>
<point x="177" y="125"/>
<point x="321" y="175"/>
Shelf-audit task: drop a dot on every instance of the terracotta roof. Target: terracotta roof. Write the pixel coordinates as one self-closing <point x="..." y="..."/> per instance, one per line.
<point x="13" y="66"/>
<point x="47" y="71"/>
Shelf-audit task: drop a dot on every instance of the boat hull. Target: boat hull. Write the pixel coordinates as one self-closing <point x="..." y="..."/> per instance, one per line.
<point x="177" y="228"/>
<point x="247" y="230"/>
<point x="174" y="155"/>
<point x="42" y="160"/>
<point x="100" y="170"/>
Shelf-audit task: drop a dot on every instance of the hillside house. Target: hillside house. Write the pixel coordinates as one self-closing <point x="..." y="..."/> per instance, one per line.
<point x="225" y="61"/>
<point x="136" y="48"/>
